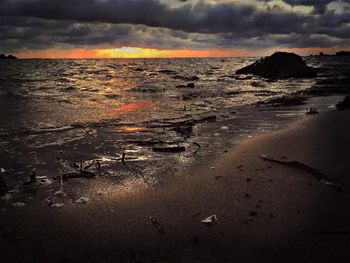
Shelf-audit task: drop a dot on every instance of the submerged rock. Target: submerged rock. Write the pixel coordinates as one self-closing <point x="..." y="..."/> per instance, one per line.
<point x="281" y="65"/>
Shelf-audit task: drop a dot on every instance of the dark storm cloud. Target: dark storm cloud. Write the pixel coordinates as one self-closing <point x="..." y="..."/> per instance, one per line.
<point x="320" y="6"/>
<point x="35" y="24"/>
<point x="201" y="17"/>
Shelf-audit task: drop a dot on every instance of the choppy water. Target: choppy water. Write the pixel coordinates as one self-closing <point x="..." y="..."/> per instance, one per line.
<point x="92" y="109"/>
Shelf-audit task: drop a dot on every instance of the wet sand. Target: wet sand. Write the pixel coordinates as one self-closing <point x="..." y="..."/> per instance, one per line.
<point x="266" y="212"/>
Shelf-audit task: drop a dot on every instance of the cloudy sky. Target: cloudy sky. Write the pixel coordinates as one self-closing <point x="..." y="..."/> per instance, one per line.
<point x="150" y="28"/>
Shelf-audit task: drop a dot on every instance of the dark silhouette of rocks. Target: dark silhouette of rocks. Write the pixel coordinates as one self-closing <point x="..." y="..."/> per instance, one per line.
<point x="343" y="53"/>
<point x="345" y="104"/>
<point x="3" y="56"/>
<point x="280" y="65"/>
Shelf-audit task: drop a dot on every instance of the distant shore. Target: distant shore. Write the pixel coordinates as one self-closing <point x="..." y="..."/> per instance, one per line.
<point x="266" y="212"/>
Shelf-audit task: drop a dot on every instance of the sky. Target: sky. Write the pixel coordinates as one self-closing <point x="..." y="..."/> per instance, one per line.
<point x="171" y="28"/>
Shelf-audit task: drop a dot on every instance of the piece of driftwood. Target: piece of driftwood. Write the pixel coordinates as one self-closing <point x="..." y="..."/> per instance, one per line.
<point x="209" y="220"/>
<point x="198" y="145"/>
<point x="315" y="173"/>
<point x="75" y="175"/>
<point x="123" y="158"/>
<point x="169" y="148"/>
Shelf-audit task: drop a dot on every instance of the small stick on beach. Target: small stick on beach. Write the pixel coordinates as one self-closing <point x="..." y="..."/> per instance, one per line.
<point x="317" y="174"/>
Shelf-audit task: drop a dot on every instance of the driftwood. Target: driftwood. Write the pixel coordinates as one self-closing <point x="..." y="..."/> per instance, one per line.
<point x="123" y="158"/>
<point x="75" y="175"/>
<point x="198" y="145"/>
<point x="169" y="148"/>
<point x="315" y="173"/>
<point x="76" y="171"/>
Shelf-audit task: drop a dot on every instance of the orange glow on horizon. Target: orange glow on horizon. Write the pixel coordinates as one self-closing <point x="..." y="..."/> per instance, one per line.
<point x="138" y="52"/>
<point x="133" y="52"/>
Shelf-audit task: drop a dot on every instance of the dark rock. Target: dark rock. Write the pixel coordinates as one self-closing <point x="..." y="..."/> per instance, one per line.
<point x="281" y="65"/>
<point x="188" y="85"/>
<point x="345" y="104"/>
<point x="169" y="148"/>
<point x="167" y="71"/>
<point x="343" y="53"/>
<point x="11" y="57"/>
<point x="185" y="78"/>
<point x="3" y="56"/>
<point x="3" y="186"/>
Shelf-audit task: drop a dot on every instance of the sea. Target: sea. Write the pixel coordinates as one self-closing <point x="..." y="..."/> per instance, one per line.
<point x="145" y="118"/>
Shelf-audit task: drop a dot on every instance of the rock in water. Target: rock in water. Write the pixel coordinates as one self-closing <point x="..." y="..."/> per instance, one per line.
<point x="281" y="65"/>
<point x="3" y="56"/>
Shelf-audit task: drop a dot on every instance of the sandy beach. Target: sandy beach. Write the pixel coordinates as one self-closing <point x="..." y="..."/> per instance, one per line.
<point x="266" y="212"/>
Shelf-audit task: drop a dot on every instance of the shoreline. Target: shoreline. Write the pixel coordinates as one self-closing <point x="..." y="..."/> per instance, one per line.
<point x="266" y="212"/>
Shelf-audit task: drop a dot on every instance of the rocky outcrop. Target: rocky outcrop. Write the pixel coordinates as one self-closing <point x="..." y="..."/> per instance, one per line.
<point x="280" y="65"/>
<point x="3" y="56"/>
<point x="345" y="104"/>
<point x="343" y="54"/>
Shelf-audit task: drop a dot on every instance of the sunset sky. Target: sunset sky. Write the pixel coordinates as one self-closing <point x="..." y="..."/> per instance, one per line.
<point x="171" y="28"/>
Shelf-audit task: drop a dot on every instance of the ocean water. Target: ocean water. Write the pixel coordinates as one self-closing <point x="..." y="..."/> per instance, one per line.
<point x="84" y="110"/>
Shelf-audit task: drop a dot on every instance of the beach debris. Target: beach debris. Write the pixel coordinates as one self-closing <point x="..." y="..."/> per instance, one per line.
<point x="286" y="100"/>
<point x="166" y="71"/>
<point x="2" y="170"/>
<point x="243" y="77"/>
<point x="59" y="193"/>
<point x="123" y="158"/>
<point x="199" y="147"/>
<point x="32" y="179"/>
<point x="184" y="78"/>
<point x="311" y="111"/>
<point x="18" y="204"/>
<point x="345" y="104"/>
<point x="82" y="174"/>
<point x="188" y="85"/>
<point x="169" y="148"/>
<point x="75" y="171"/>
<point x="209" y="220"/>
<point x="82" y="200"/>
<point x="57" y="205"/>
<point x="157" y="225"/>
<point x="315" y="173"/>
<point x="98" y="165"/>
<point x="224" y="128"/>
